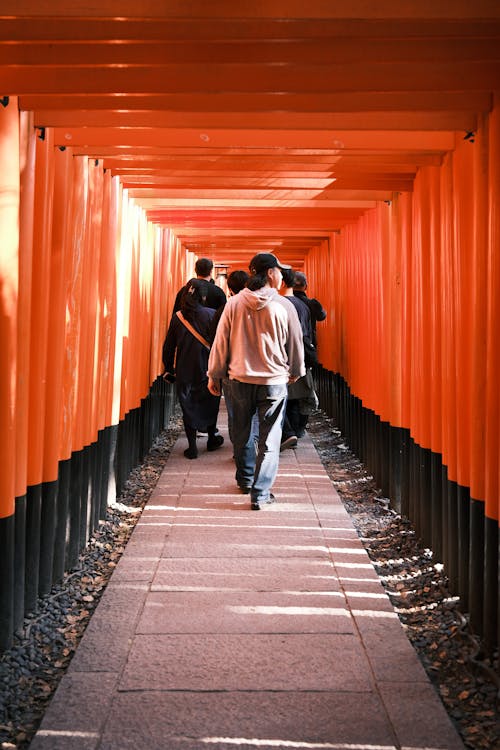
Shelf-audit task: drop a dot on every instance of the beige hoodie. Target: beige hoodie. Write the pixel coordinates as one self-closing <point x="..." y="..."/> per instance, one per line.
<point x="258" y="340"/>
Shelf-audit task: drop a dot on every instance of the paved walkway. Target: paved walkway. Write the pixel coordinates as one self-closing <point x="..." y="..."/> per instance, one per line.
<point x="227" y="628"/>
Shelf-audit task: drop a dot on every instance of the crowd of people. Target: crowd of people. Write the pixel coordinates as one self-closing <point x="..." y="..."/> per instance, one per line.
<point x="257" y="347"/>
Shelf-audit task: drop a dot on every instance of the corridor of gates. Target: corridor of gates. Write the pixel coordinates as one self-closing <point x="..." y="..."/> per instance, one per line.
<point x="360" y="143"/>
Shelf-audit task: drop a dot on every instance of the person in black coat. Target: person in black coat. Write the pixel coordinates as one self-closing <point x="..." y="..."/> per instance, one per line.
<point x="301" y="396"/>
<point x="185" y="358"/>
<point x="215" y="297"/>
<point x="318" y="313"/>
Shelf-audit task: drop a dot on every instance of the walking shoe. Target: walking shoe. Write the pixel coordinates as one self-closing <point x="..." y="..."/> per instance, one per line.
<point x="214" y="442"/>
<point x="289" y="442"/>
<point x="191" y="453"/>
<point x="259" y="504"/>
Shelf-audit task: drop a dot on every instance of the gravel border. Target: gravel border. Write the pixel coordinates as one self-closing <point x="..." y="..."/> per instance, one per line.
<point x="469" y="687"/>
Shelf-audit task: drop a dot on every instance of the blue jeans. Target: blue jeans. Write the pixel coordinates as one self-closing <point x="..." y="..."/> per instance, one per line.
<point x="257" y="461"/>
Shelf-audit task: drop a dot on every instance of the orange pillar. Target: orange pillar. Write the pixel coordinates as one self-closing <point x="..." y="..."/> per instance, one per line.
<point x="107" y="302"/>
<point x="56" y="316"/>
<point x="492" y="437"/>
<point x="73" y="281"/>
<point x="9" y="279"/>
<point x="27" y="175"/>
<point x="40" y="304"/>
<point x="9" y="290"/>
<point x="491" y="610"/>
<point x="52" y="524"/>
<point x="40" y="301"/>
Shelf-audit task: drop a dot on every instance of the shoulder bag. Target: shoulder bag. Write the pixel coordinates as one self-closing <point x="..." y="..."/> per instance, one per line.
<point x="193" y="330"/>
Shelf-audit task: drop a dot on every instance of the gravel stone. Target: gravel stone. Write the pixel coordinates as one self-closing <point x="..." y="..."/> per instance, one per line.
<point x="439" y="631"/>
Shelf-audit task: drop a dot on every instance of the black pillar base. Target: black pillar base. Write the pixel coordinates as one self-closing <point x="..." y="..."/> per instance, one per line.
<point x="7" y="534"/>
<point x="444" y="516"/>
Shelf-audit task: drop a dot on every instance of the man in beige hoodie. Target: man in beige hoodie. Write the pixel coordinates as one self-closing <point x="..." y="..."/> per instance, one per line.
<point x="258" y="346"/>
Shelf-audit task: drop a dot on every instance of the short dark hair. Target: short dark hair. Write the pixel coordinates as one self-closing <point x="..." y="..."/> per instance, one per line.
<point x="203" y="267"/>
<point x="300" y="280"/>
<point x="237" y="280"/>
<point x="288" y="277"/>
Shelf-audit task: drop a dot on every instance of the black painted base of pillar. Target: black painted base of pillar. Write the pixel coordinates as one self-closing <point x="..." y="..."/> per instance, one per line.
<point x="48" y="520"/>
<point x="7" y="536"/>
<point x="19" y="560"/>
<point x="54" y="521"/>
<point x="33" y="519"/>
<point x="445" y="517"/>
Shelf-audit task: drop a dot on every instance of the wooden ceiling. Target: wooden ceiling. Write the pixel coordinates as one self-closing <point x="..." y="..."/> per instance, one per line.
<point x="250" y="125"/>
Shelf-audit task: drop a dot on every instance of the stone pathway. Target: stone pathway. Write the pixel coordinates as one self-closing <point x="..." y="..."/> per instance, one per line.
<point x="224" y="627"/>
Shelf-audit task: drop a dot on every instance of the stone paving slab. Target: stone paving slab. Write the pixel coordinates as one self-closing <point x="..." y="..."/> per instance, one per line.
<point x="256" y="549"/>
<point x="71" y="724"/>
<point x="106" y="642"/>
<point x="245" y="612"/>
<point x="234" y="662"/>
<point x="264" y="720"/>
<point x="296" y="503"/>
<point x="192" y="519"/>
<point x="418" y="718"/>
<point x="267" y="538"/>
<point x="139" y="568"/>
<point x="223" y="628"/>
<point x="245" y="574"/>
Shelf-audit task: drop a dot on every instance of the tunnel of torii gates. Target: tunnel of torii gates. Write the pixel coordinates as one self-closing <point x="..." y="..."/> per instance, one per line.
<point x="358" y="141"/>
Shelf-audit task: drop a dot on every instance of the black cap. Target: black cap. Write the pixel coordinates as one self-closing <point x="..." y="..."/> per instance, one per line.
<point x="262" y="261"/>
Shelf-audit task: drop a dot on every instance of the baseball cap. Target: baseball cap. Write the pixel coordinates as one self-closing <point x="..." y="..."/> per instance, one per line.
<point x="262" y="261"/>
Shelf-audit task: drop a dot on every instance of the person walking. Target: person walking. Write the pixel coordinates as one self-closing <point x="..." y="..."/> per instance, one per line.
<point x="301" y="395"/>
<point x="215" y="297"/>
<point x="236" y="281"/>
<point x="318" y="313"/>
<point x="258" y="347"/>
<point x="185" y="359"/>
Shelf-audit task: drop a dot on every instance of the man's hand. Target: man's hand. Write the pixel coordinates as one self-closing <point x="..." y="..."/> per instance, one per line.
<point x="214" y="387"/>
<point x="293" y="379"/>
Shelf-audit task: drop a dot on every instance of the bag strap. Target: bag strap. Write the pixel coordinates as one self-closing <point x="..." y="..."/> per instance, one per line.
<point x="193" y="330"/>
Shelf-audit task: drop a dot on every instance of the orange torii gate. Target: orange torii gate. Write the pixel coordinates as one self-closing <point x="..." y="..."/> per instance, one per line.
<point x="363" y="149"/>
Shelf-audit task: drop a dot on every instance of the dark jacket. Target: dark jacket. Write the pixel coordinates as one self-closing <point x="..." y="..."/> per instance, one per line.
<point x="215" y="297"/>
<point x="199" y="407"/>
<point x="305" y="318"/>
<point x="318" y="313"/>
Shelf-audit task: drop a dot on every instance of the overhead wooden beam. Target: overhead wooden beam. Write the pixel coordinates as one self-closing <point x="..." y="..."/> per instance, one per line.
<point x="173" y="164"/>
<point x="283" y="12"/>
<point x="319" y="51"/>
<point x="395" y="120"/>
<point x="211" y="140"/>
<point x="272" y="196"/>
<point x="201" y="183"/>
<point x="479" y="100"/>
<point x="252" y="78"/>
